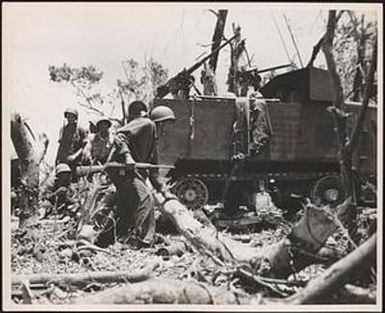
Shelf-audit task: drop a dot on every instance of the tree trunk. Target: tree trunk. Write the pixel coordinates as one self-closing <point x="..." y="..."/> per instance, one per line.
<point x="317" y="47"/>
<point x="163" y="291"/>
<point x="337" y="275"/>
<point x="357" y="83"/>
<point x="237" y="47"/>
<point x="347" y="142"/>
<point x="208" y="81"/>
<point x="284" y="258"/>
<point x="83" y="279"/>
<point x="217" y="37"/>
<point x="30" y="151"/>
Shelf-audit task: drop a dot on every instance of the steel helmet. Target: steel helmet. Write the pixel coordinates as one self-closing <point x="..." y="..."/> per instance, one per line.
<point x="71" y="111"/>
<point x="136" y="107"/>
<point x="62" y="168"/>
<point x="101" y="120"/>
<point x="162" y="113"/>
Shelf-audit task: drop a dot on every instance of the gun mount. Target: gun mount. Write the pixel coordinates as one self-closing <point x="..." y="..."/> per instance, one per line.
<point x="182" y="81"/>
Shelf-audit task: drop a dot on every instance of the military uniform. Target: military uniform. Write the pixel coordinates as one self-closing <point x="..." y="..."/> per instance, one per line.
<point x="71" y="139"/>
<point x="136" y="142"/>
<point x="97" y="148"/>
<point x="57" y="193"/>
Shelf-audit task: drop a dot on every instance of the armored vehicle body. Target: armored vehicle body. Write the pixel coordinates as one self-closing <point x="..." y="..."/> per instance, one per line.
<point x="285" y="138"/>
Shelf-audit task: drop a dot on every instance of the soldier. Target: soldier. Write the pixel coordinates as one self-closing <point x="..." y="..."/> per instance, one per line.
<point x="137" y="142"/>
<point x="58" y="193"/>
<point x="71" y="142"/>
<point x="99" y="144"/>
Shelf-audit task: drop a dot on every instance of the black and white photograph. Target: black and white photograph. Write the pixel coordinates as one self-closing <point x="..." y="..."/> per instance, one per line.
<point x="161" y="156"/>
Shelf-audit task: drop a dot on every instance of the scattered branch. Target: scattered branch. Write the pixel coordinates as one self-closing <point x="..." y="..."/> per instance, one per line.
<point x="83" y="279"/>
<point x="336" y="276"/>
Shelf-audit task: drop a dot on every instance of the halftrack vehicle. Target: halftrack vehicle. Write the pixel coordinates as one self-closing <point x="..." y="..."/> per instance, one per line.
<point x="223" y="148"/>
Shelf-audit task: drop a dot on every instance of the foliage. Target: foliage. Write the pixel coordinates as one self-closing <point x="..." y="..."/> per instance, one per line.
<point x="352" y="39"/>
<point x="83" y="75"/>
<point x="84" y="79"/>
<point x="142" y="81"/>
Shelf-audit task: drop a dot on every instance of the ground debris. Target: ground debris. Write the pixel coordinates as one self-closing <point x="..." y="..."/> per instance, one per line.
<point x="52" y="248"/>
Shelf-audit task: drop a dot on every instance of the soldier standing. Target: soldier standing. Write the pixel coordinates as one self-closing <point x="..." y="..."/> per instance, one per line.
<point x="71" y="142"/>
<point x="137" y="142"/>
<point x="99" y="144"/>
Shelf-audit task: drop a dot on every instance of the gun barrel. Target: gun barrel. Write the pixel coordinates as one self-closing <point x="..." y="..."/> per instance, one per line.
<point x="83" y="170"/>
<point x="163" y="90"/>
<point x="141" y="165"/>
<point x="198" y="64"/>
<point x="267" y="69"/>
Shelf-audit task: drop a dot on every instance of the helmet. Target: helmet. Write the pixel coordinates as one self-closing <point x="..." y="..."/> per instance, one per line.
<point x="101" y="120"/>
<point x="62" y="168"/>
<point x="71" y="111"/>
<point x="136" y="107"/>
<point x="162" y="113"/>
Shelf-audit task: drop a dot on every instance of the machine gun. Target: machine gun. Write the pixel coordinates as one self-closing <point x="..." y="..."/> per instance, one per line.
<point x="85" y="170"/>
<point x="251" y="76"/>
<point x="182" y="80"/>
<point x="253" y="70"/>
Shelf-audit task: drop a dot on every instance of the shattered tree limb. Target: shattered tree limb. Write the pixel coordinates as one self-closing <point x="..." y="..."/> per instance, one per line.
<point x="163" y="291"/>
<point x="83" y="279"/>
<point x="338" y="274"/>
<point x="347" y="142"/>
<point x="317" y="47"/>
<point x="30" y="151"/>
<point x="291" y="254"/>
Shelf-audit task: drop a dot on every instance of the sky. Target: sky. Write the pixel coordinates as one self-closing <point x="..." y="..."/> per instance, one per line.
<point x="37" y="35"/>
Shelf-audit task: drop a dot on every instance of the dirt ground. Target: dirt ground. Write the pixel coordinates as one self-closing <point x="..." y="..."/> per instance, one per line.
<point x="48" y="250"/>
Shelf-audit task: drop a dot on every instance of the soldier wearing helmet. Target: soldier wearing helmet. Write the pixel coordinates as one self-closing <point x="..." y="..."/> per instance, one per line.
<point x="163" y="117"/>
<point x="98" y="144"/>
<point x="58" y="192"/>
<point x="162" y="113"/>
<point x="71" y="141"/>
<point x="137" y="109"/>
<point x="137" y="142"/>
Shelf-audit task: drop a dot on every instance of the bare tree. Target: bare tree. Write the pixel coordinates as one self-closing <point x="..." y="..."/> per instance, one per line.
<point x="30" y="151"/>
<point x="347" y="142"/>
<point x="237" y="48"/>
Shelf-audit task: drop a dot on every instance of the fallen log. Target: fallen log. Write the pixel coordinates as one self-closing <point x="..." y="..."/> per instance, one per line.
<point x="337" y="275"/>
<point x="279" y="260"/>
<point x="202" y="237"/>
<point x="30" y="151"/>
<point x="162" y="291"/>
<point x="83" y="279"/>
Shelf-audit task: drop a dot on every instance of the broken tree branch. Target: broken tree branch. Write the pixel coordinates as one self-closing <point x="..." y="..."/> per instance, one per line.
<point x="317" y="47"/>
<point x="338" y="274"/>
<point x="163" y="291"/>
<point x="30" y="152"/>
<point x="277" y="260"/>
<point x="83" y="279"/>
<point x="217" y="37"/>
